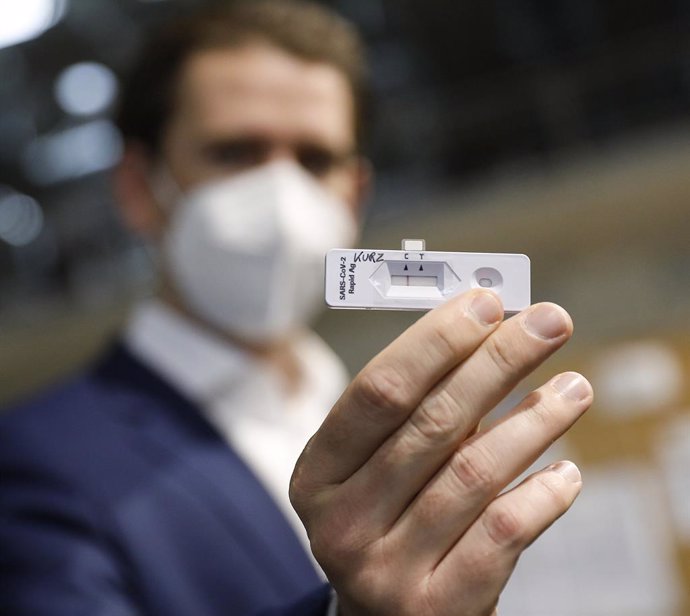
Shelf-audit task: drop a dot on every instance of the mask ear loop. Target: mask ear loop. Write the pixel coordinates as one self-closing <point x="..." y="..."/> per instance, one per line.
<point x="164" y="188"/>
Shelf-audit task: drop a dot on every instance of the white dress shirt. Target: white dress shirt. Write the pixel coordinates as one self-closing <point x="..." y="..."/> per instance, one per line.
<point x="241" y="396"/>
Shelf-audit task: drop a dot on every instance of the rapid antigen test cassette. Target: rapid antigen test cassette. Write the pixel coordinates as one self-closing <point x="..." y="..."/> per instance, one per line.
<point x="416" y="279"/>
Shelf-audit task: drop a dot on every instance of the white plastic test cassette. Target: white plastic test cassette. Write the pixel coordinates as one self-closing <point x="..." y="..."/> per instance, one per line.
<point x="416" y="279"/>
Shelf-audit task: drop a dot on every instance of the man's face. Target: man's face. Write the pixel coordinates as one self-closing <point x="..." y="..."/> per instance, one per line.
<point x="239" y="108"/>
<point x="235" y="110"/>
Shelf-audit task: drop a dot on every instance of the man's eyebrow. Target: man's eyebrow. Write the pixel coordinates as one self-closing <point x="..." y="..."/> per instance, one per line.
<point x="216" y="141"/>
<point x="235" y="139"/>
<point x="236" y="142"/>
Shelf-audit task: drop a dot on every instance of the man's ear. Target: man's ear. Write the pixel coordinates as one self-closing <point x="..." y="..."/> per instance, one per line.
<point x="364" y="186"/>
<point x="137" y="204"/>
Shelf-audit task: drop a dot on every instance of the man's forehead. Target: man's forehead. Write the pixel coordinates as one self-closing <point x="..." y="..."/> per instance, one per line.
<point x="260" y="84"/>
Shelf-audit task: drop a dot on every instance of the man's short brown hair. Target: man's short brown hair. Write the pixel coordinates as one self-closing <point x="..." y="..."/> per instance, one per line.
<point x="303" y="29"/>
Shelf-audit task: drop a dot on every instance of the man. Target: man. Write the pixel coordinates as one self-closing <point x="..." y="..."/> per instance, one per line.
<point x="156" y="483"/>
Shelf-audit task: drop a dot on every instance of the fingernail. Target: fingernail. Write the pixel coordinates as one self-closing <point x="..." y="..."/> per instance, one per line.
<point x="567" y="470"/>
<point x="573" y="385"/>
<point x="486" y="308"/>
<point x="546" y="321"/>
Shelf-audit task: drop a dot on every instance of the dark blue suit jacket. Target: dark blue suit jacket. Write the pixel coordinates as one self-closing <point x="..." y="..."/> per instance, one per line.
<point x="117" y="498"/>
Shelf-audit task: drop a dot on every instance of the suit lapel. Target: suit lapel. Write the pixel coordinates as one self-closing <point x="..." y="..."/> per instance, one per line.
<point x="168" y="424"/>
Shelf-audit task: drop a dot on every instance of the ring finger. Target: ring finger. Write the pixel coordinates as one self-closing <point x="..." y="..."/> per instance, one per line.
<point x="484" y="464"/>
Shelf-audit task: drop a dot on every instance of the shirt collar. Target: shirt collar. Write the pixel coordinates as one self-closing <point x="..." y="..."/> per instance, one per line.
<point x="183" y="352"/>
<point x="202" y="365"/>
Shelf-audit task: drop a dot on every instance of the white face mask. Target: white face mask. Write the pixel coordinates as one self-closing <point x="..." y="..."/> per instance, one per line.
<point x="247" y="253"/>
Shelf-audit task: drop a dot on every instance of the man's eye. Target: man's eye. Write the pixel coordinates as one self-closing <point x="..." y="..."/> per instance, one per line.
<point x="317" y="162"/>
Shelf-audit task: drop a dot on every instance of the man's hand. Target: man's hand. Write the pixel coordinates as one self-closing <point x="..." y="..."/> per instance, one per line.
<point x="399" y="492"/>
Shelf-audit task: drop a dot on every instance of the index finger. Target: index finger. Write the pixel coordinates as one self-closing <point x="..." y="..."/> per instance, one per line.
<point x="390" y="386"/>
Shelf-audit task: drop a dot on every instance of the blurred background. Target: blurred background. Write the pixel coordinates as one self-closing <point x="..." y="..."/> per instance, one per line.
<point x="559" y="129"/>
